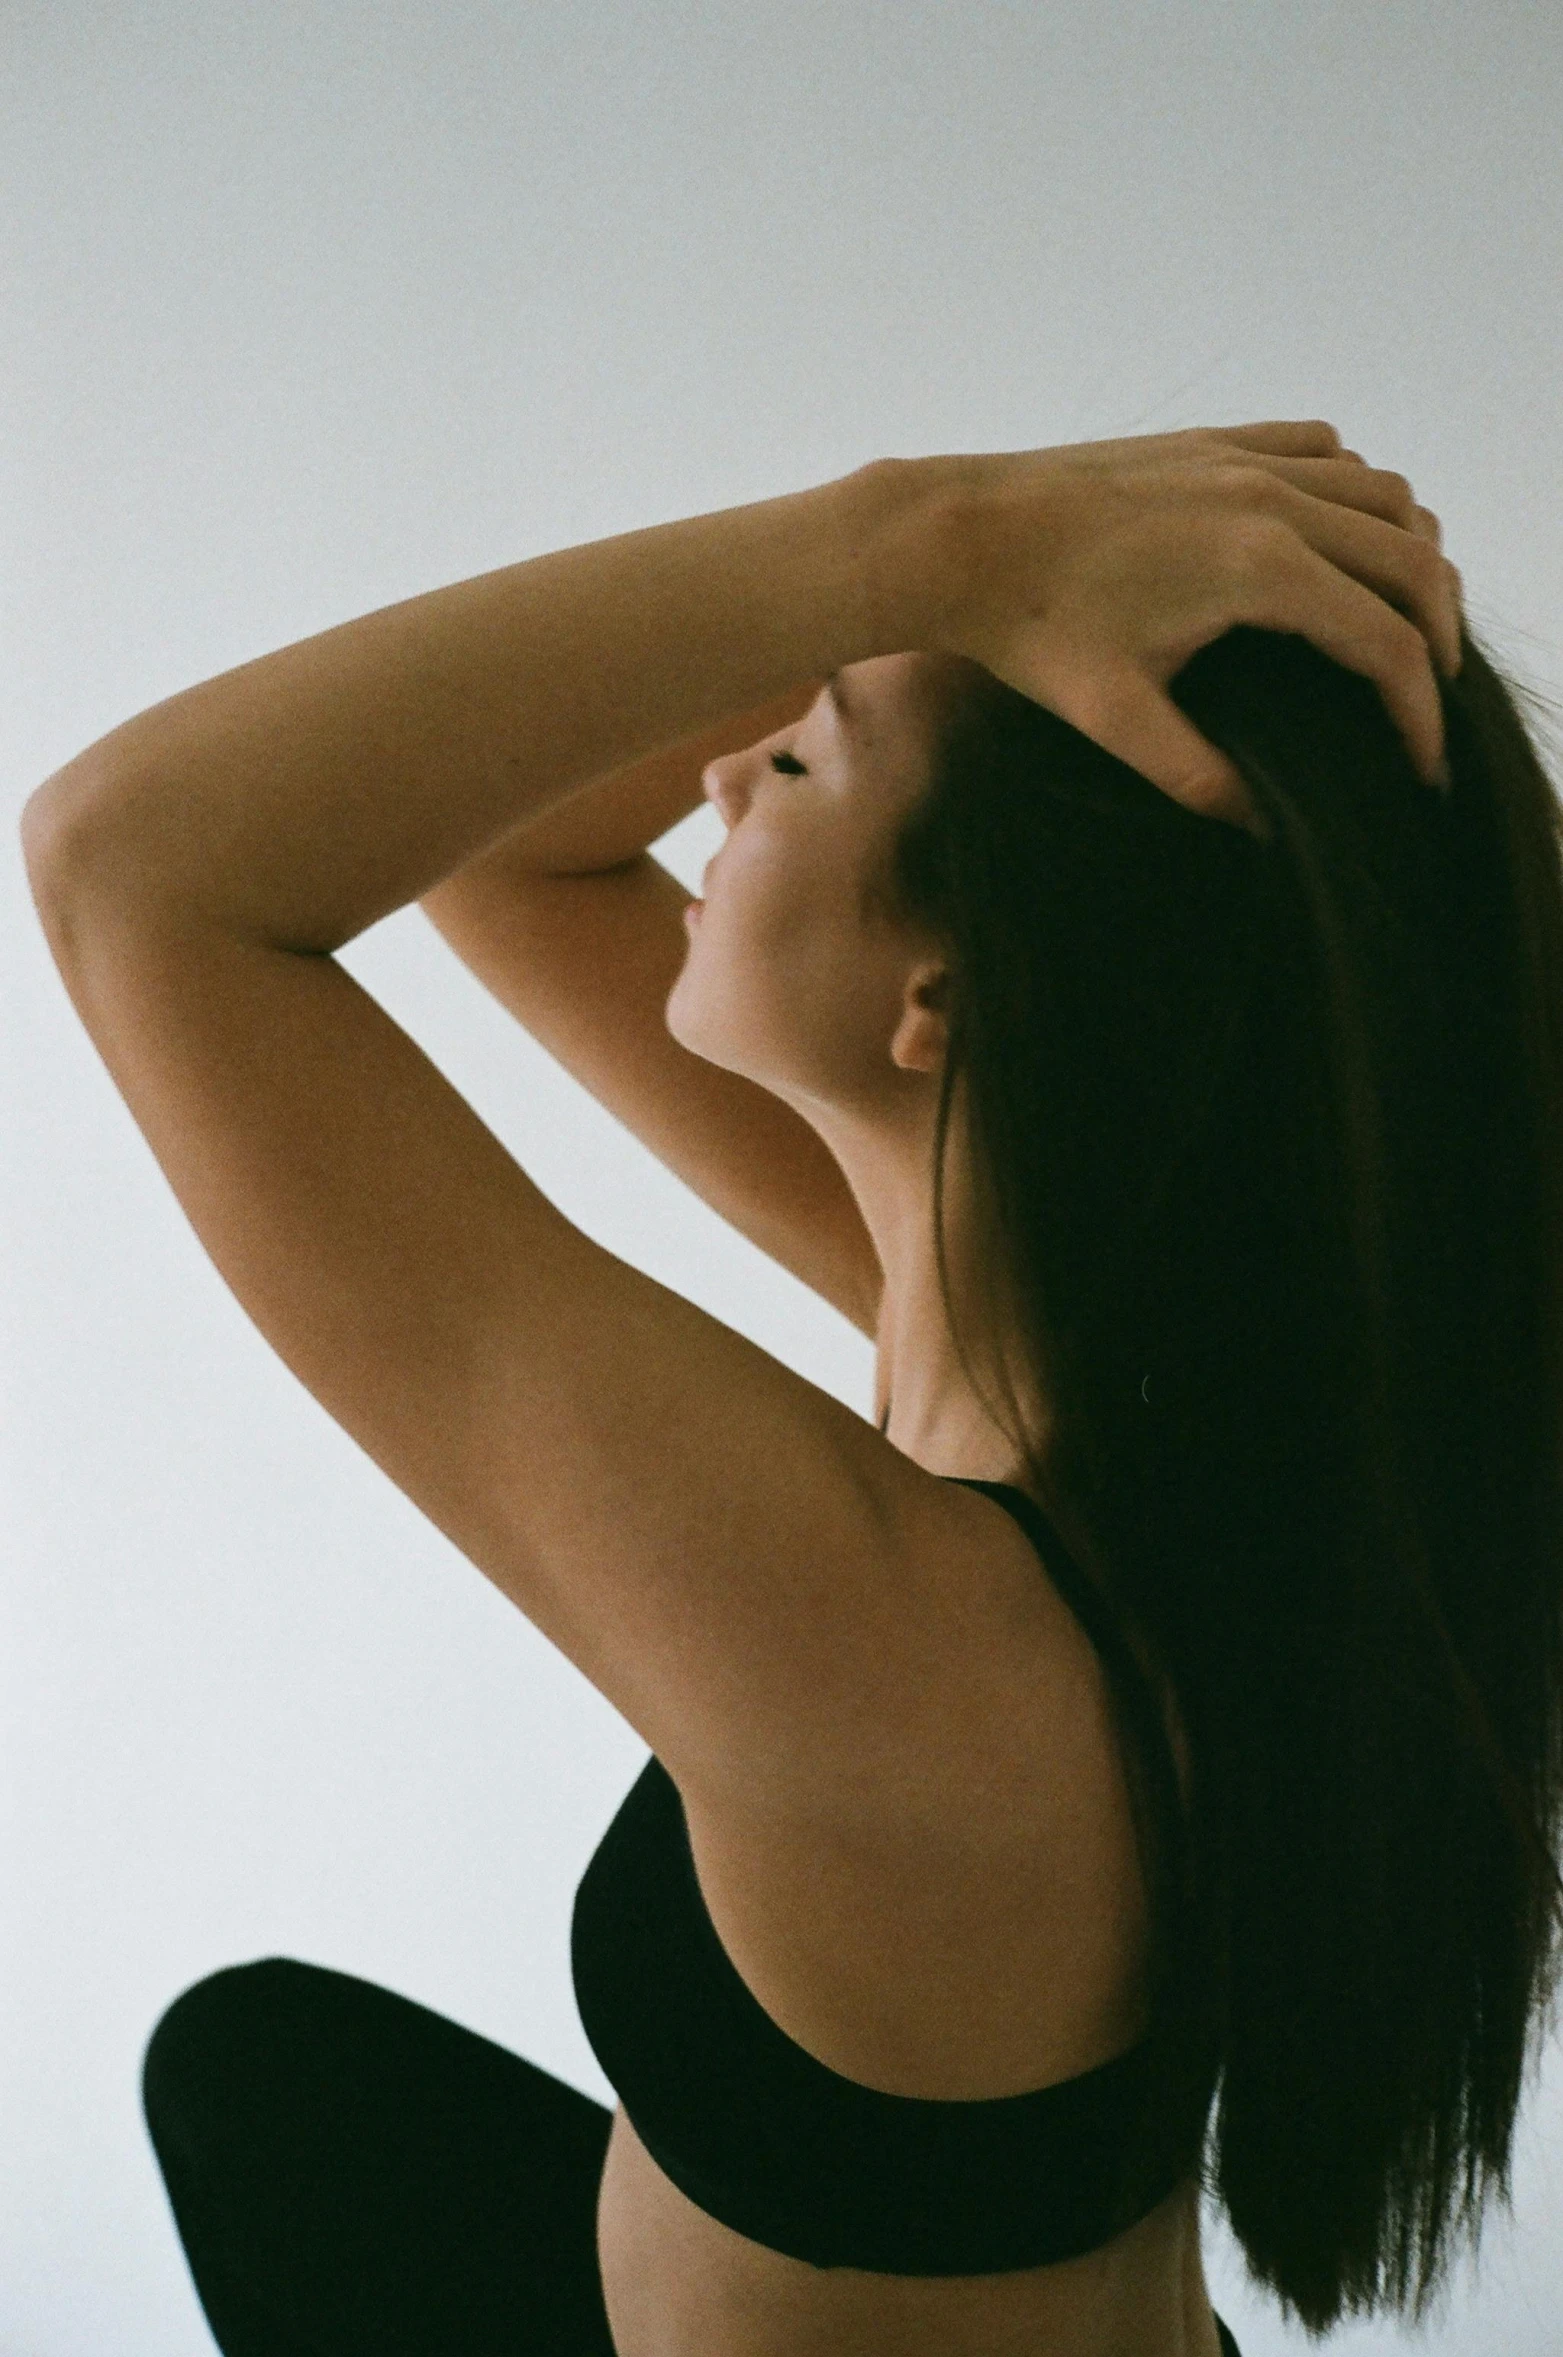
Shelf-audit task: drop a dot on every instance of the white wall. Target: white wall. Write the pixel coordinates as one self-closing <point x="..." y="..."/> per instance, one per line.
<point x="309" y="309"/>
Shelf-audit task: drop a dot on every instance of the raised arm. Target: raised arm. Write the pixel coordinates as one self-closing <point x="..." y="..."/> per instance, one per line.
<point x="299" y="799"/>
<point x="578" y="933"/>
<point x="624" y="812"/>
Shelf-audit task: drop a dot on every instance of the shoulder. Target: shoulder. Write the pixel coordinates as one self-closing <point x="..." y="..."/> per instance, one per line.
<point x="969" y="1680"/>
<point x="953" y="1908"/>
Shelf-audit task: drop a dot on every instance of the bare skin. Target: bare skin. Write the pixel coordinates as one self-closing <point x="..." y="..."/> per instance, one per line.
<point x="197" y="870"/>
<point x="1018" y="1956"/>
<point x="786" y="984"/>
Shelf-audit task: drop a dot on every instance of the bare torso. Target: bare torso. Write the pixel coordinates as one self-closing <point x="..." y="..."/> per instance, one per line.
<point x="1000" y="1953"/>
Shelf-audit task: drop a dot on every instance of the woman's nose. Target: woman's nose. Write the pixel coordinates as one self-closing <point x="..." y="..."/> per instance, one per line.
<point x="719" y="782"/>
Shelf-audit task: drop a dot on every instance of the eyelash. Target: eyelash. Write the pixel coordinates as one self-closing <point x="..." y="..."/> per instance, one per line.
<point x="797" y="769"/>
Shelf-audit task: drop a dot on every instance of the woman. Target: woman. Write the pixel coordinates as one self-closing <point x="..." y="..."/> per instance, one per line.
<point x="1164" y="1701"/>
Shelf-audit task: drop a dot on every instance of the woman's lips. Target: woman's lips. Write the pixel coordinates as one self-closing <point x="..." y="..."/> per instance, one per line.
<point x="692" y="912"/>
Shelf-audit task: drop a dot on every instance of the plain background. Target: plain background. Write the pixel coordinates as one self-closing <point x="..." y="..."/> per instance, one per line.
<point x="308" y="310"/>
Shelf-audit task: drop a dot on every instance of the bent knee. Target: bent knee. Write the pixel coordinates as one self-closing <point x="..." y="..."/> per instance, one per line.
<point x="214" y="2035"/>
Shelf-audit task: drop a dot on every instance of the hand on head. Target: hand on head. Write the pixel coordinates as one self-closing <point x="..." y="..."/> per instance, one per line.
<point x="1087" y="575"/>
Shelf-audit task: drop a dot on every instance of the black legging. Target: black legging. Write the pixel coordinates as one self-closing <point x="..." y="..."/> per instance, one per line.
<point x="354" y="2176"/>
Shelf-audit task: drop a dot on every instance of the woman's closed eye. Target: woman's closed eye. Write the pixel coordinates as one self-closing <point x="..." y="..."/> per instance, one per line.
<point x="795" y="767"/>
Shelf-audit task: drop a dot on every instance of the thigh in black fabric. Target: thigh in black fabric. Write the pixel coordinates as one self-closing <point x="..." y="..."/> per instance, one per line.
<point x="353" y="2175"/>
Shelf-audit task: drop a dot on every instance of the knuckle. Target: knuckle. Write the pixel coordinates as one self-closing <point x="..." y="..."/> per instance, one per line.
<point x="1427" y="565"/>
<point x="1260" y="541"/>
<point x="1258" y="555"/>
<point x="1399" y="489"/>
<point x="1260" y="488"/>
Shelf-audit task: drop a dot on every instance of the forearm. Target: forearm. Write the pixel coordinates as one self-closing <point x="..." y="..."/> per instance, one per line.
<point x="615" y="817"/>
<point x="300" y="798"/>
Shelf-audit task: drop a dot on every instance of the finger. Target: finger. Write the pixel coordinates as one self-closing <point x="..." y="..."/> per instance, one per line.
<point x="1429" y="523"/>
<point x="1133" y="719"/>
<point x="1296" y="588"/>
<point x="1424" y="520"/>
<point x="1399" y="563"/>
<point x="1305" y="438"/>
<point x="1375" y="490"/>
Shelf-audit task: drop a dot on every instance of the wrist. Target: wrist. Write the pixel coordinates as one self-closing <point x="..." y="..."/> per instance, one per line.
<point x="903" y="515"/>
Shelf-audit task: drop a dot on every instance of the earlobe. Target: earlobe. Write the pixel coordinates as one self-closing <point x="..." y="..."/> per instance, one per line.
<point x="922" y="1035"/>
<point x="916" y="1048"/>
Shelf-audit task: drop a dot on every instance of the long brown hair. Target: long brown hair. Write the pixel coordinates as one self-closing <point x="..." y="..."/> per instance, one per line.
<point x="1271" y="1140"/>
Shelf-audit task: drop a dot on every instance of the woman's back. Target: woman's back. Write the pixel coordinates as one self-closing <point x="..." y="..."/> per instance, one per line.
<point x="972" y="1953"/>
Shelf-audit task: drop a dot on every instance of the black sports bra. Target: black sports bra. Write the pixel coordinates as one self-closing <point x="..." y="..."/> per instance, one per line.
<point x="763" y="2136"/>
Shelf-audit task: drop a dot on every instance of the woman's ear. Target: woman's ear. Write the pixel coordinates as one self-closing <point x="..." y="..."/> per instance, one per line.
<point x="922" y="1035"/>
